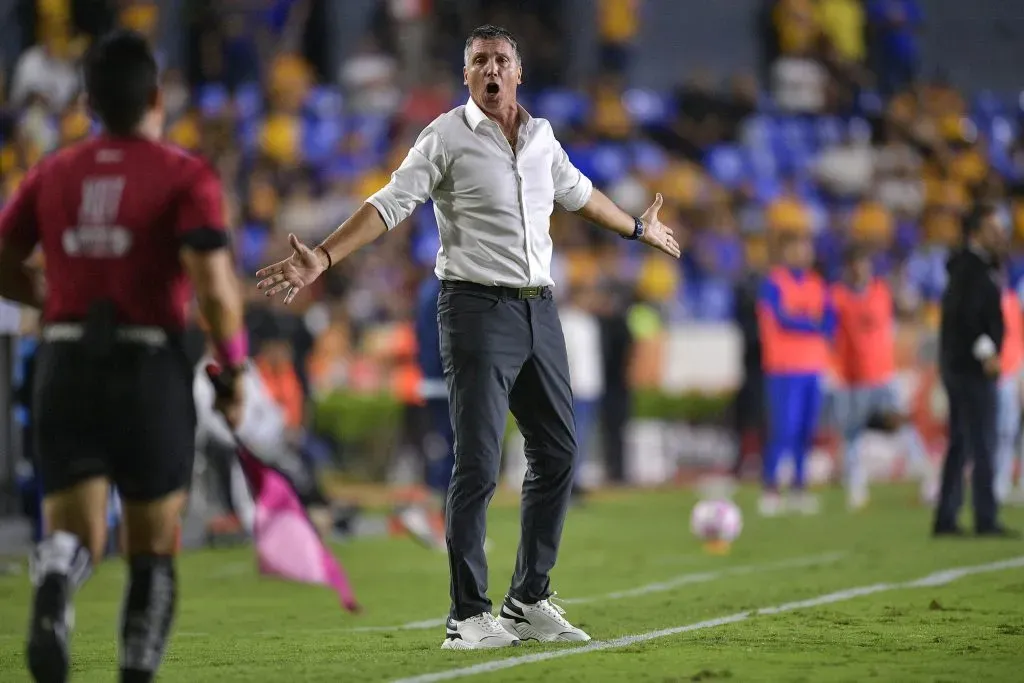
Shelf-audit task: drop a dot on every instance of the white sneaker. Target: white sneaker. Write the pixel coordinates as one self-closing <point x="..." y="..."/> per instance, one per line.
<point x="857" y="499"/>
<point x="477" y="633"/>
<point x="804" y="503"/>
<point x="771" y="505"/>
<point x="541" y="621"/>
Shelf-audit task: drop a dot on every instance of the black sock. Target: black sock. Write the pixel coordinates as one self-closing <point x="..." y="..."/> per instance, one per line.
<point x="148" y="613"/>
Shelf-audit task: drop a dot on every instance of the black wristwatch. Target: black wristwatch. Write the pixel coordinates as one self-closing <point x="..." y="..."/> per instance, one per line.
<point x="638" y="230"/>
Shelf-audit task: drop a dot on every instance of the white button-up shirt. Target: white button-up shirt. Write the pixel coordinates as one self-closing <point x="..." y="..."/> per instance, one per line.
<point x="493" y="206"/>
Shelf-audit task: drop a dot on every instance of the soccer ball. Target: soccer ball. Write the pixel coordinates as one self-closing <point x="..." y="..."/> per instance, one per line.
<point x="716" y="521"/>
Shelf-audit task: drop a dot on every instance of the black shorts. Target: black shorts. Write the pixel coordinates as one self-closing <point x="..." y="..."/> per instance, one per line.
<point x="130" y="418"/>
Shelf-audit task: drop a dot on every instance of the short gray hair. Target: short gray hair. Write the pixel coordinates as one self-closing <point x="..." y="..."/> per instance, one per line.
<point x="491" y="32"/>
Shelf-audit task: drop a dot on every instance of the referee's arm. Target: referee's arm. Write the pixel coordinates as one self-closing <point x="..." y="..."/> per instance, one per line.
<point x="18" y="239"/>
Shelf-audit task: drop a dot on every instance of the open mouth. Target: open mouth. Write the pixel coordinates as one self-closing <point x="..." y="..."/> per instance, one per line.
<point x="493" y="88"/>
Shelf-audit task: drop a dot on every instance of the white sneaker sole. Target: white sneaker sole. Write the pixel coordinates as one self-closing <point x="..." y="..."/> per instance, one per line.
<point x="463" y="644"/>
<point x="528" y="632"/>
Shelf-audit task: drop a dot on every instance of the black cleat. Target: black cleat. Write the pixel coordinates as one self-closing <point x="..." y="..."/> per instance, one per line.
<point x="49" y="631"/>
<point x="948" y="532"/>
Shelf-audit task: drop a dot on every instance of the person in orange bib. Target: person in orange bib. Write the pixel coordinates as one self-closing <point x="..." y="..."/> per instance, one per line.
<point x="1011" y="359"/>
<point x="797" y="320"/>
<point x="865" y="363"/>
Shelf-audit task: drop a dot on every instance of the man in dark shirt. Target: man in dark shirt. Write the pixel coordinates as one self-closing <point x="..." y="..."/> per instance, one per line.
<point x="125" y="224"/>
<point x="970" y="341"/>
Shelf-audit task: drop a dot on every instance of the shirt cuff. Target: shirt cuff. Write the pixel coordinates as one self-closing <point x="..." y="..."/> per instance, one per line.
<point x="385" y="207"/>
<point x="984" y="348"/>
<point x="576" y="198"/>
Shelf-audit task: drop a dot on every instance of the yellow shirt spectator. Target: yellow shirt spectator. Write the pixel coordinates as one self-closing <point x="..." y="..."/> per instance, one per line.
<point x="610" y="116"/>
<point x="371" y="182"/>
<point x="681" y="183"/>
<point x="659" y="278"/>
<point x="140" y="16"/>
<point x="843" y="22"/>
<point x="74" y="126"/>
<point x="797" y="26"/>
<point x="1018" y="220"/>
<point x="788" y="215"/>
<point x="289" y="81"/>
<point x="185" y="132"/>
<point x="280" y="139"/>
<point x="582" y="267"/>
<point x="969" y="167"/>
<point x="619" y="20"/>
<point x="871" y="222"/>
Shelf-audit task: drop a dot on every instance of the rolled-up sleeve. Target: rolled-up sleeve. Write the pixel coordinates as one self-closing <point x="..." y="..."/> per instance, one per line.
<point x="572" y="188"/>
<point x="414" y="180"/>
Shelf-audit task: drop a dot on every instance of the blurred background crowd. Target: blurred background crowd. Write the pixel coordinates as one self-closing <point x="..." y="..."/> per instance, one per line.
<point x="848" y="120"/>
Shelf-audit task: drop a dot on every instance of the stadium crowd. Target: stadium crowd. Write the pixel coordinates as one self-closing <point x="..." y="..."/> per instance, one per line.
<point x="839" y="137"/>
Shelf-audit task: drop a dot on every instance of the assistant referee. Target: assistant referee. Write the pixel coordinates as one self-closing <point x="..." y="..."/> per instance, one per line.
<point x="494" y="173"/>
<point x="970" y="341"/>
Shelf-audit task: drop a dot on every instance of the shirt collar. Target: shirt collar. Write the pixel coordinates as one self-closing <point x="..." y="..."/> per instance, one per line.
<point x="475" y="115"/>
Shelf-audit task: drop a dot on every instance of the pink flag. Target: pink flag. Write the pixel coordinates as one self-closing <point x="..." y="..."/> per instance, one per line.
<point x="287" y="544"/>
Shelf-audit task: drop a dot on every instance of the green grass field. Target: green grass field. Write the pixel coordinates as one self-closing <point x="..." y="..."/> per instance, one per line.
<point x="850" y="609"/>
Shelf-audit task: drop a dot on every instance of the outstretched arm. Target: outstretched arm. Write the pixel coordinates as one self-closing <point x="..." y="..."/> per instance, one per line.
<point x="770" y="299"/>
<point x="410" y="186"/>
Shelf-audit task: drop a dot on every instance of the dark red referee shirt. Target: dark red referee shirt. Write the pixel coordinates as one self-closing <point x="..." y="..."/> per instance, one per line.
<point x="111" y="215"/>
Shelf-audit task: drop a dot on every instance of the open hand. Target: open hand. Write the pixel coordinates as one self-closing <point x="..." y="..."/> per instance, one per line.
<point x="656" y="233"/>
<point x="299" y="270"/>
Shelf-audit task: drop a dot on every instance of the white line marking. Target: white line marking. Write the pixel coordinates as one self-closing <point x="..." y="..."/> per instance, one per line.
<point x="939" y="578"/>
<point x="659" y="587"/>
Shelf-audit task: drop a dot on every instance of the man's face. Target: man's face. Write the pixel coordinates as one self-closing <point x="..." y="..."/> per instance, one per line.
<point x="993" y="234"/>
<point x="492" y="73"/>
<point x="860" y="271"/>
<point x="798" y="253"/>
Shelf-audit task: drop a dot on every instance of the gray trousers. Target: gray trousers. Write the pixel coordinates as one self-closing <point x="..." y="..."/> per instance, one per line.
<point x="504" y="353"/>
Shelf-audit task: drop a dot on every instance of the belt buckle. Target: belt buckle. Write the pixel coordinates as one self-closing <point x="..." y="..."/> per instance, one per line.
<point x="529" y="292"/>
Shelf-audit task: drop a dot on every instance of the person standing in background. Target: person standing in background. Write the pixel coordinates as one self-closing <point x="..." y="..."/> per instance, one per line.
<point x="865" y="354"/>
<point x="619" y="21"/>
<point x="439" y="446"/>
<point x="1011" y="361"/>
<point x="970" y="341"/>
<point x="796" y="320"/>
<point x="586" y="375"/>
<point x="748" y="408"/>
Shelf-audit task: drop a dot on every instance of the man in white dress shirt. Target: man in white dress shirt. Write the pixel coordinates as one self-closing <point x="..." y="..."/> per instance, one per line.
<point x="494" y="174"/>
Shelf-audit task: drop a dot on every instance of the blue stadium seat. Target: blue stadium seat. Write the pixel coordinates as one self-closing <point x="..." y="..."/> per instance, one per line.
<point x="858" y="129"/>
<point x="829" y="131"/>
<point x="610" y="163"/>
<point x="758" y="132"/>
<point x="728" y="165"/>
<point x="374" y="129"/>
<point x="647" y="107"/>
<point x="582" y="157"/>
<point x="649" y="158"/>
<point x="562" y="107"/>
<point x="249" y="136"/>
<point x="249" y="101"/>
<point x="213" y="99"/>
<point x="252" y="244"/>
<point x="325" y="103"/>
<point x="987" y="105"/>
<point x="320" y="140"/>
<point x="869" y="103"/>
<point x="766" y="188"/>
